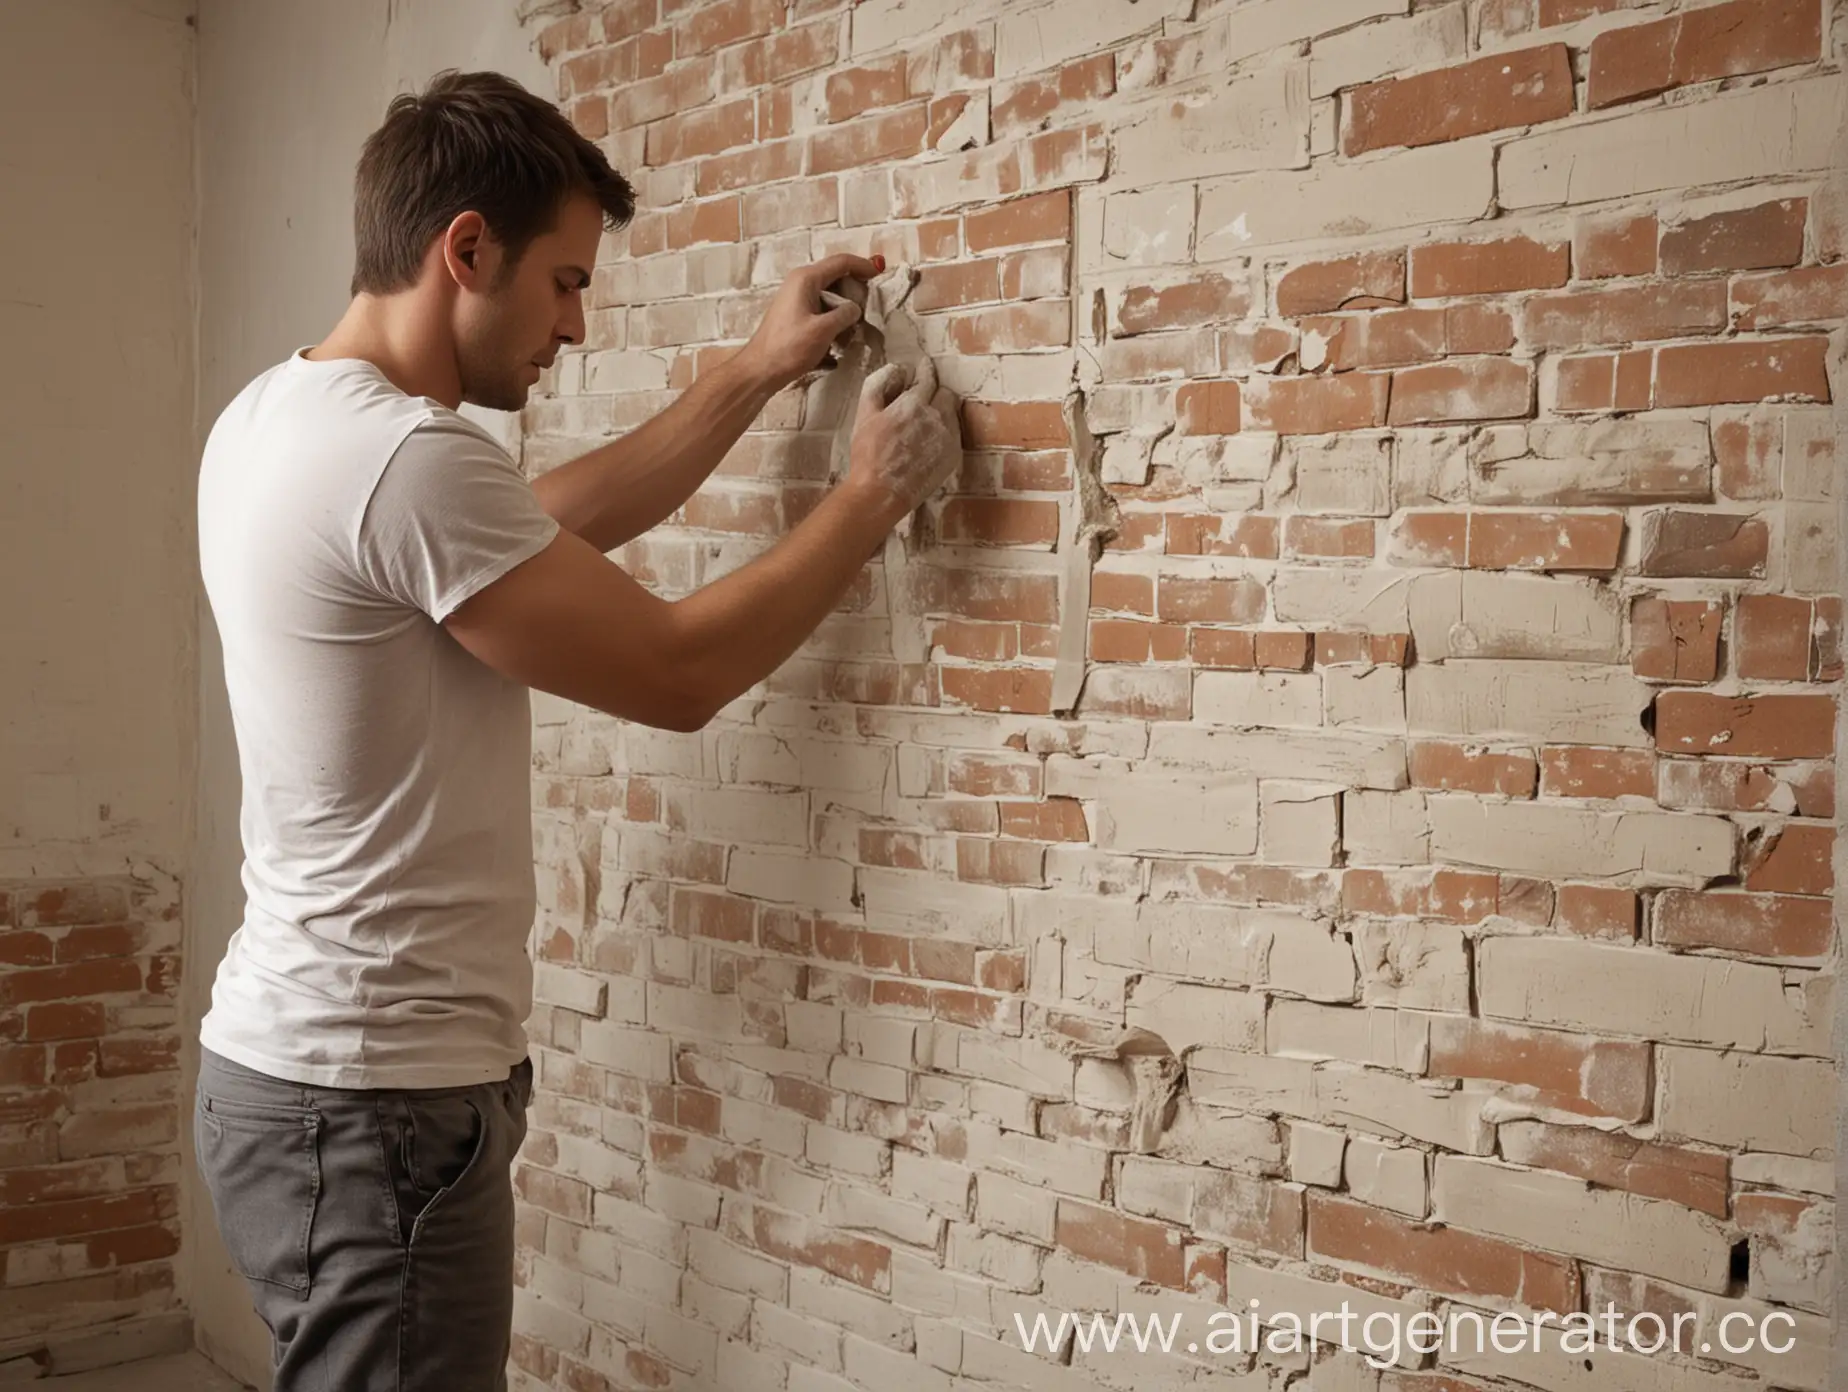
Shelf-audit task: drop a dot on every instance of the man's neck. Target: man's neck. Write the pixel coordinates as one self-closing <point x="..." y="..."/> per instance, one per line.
<point x="405" y="340"/>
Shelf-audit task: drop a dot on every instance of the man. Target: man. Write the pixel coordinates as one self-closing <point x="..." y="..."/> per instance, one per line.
<point x="387" y="586"/>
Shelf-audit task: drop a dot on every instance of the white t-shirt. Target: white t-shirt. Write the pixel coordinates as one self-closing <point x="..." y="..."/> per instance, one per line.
<point x="388" y="867"/>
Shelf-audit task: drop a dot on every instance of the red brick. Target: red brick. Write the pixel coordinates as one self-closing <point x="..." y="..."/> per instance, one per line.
<point x="1239" y="600"/>
<point x="767" y="163"/>
<point x="1208" y="408"/>
<point x="1577" y="541"/>
<point x="1379" y="338"/>
<point x="1469" y="769"/>
<point x="1730" y="786"/>
<point x="1760" y="925"/>
<point x="776" y="58"/>
<point x="1772" y="637"/>
<point x="893" y="136"/>
<point x="25" y="949"/>
<point x="1375" y="649"/>
<point x="105" y="977"/>
<point x="1478" y="328"/>
<point x="1722" y="545"/>
<point x="1368" y="280"/>
<point x="1015" y="328"/>
<point x="1521" y="88"/>
<point x="1745" y="36"/>
<point x="982" y="860"/>
<point x="1438" y="1258"/>
<point x="1794" y="858"/>
<point x="703" y="132"/>
<point x="1752" y="727"/>
<point x="1675" y="640"/>
<point x="1045" y="217"/>
<point x="1431" y="538"/>
<point x="1027" y="690"/>
<point x="1745" y="239"/>
<point x="1029" y="104"/>
<point x="1222" y="648"/>
<point x="121" y="1056"/>
<point x="1148" y="1251"/>
<point x="80" y="1217"/>
<point x="714" y="220"/>
<point x="1597" y="911"/>
<point x="1056" y="819"/>
<point x="1013" y="425"/>
<point x="1251" y="535"/>
<point x="1711" y="374"/>
<point x="1627" y="314"/>
<point x="852" y="92"/>
<point x="1580" y="771"/>
<point x="1320" y="405"/>
<point x="725" y="22"/>
<point x="1129" y="640"/>
<point x="1462" y="390"/>
<point x="1573" y="1073"/>
<point x="1814" y="295"/>
<point x="1120" y="593"/>
<point x="945" y="286"/>
<point x="1605" y="247"/>
<point x="73" y="905"/>
<point x="1205" y="298"/>
<point x="790" y="1238"/>
<point x="1693" y="1178"/>
<point x="1488" y="268"/>
<point x="1335" y="537"/>
<point x="1283" y="652"/>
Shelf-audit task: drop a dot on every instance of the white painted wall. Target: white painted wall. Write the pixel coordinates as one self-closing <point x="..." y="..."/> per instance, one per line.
<point x="287" y="93"/>
<point x="97" y="685"/>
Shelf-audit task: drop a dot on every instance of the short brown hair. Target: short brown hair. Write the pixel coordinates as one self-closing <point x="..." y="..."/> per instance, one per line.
<point x="469" y="142"/>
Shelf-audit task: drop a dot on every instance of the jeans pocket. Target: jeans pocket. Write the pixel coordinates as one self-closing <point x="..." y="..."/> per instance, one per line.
<point x="262" y="1166"/>
<point x="444" y="1139"/>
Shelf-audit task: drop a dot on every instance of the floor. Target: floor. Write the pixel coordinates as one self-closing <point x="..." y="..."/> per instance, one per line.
<point x="182" y="1372"/>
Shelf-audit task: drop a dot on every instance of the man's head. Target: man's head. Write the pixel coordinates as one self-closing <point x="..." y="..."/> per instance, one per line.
<point x="479" y="192"/>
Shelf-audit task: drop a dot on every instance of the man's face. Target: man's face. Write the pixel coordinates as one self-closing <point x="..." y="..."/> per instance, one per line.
<point x="506" y="333"/>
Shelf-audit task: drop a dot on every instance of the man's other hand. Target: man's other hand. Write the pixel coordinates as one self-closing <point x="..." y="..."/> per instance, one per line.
<point x="906" y="438"/>
<point x="798" y="328"/>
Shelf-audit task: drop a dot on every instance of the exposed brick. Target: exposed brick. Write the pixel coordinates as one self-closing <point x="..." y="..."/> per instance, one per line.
<point x="1597" y="911"/>
<point x="1024" y="689"/>
<point x="1462" y="390"/>
<point x="1438" y="1258"/>
<point x="1718" y="544"/>
<point x="1709" y="374"/>
<point x="1811" y="295"/>
<point x="1749" y="239"/>
<point x="1772" y="637"/>
<point x="1208" y="408"/>
<point x="1319" y="405"/>
<point x="1148" y="1251"/>
<point x="1488" y="268"/>
<point x="1605" y="247"/>
<point x="1675" y="640"/>
<point x="1759" y="925"/>
<point x="1545" y="540"/>
<point x="1469" y="769"/>
<point x="1521" y="88"/>
<point x="1753" y="727"/>
<point x="1714" y="41"/>
<point x="1354" y="282"/>
<point x="1233" y="601"/>
<point x="853" y="92"/>
<point x="1591" y="1077"/>
<point x="1794" y="858"/>
<point x="1625" y="314"/>
<point x="1205" y="298"/>
<point x="1045" y="217"/>
<point x="1581" y="771"/>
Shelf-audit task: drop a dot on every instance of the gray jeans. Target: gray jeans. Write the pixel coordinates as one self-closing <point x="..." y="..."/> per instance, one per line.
<point x="375" y="1228"/>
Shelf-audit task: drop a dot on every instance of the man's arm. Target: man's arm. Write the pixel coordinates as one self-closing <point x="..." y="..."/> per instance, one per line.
<point x="571" y="622"/>
<point x="620" y="490"/>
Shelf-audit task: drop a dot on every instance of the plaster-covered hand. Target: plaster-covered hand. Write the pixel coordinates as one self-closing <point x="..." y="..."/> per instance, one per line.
<point x="906" y="440"/>
<point x="798" y="327"/>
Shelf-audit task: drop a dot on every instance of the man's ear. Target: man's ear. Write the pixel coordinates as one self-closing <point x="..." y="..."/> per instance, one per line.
<point x="462" y="246"/>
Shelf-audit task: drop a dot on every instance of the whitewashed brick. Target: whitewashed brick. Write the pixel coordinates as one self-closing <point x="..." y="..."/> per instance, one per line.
<point x="1746" y="1101"/>
<point x="1535" y="838"/>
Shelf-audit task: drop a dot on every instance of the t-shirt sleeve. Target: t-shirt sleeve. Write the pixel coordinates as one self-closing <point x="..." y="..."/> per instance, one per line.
<point x="450" y="515"/>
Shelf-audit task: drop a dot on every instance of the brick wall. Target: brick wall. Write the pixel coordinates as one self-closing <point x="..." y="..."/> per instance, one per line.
<point x="89" y="1102"/>
<point x="1426" y="899"/>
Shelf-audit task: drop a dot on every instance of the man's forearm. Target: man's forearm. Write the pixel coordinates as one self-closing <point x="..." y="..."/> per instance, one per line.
<point x="620" y="490"/>
<point x="742" y="627"/>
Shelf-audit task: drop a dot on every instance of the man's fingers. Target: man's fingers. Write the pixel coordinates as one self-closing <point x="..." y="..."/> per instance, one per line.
<point x="831" y="268"/>
<point x="883" y="386"/>
<point x="924" y="385"/>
